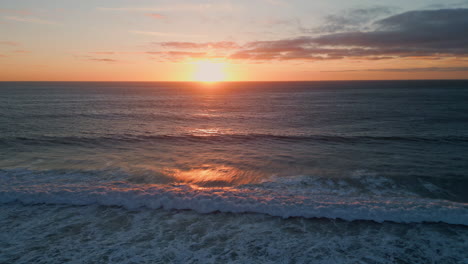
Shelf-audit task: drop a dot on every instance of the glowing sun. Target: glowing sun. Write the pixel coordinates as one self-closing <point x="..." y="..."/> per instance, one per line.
<point x="207" y="71"/>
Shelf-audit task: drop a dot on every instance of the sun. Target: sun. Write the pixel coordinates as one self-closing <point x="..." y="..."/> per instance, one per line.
<point x="208" y="71"/>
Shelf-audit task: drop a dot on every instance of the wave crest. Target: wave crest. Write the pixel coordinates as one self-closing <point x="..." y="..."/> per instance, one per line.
<point x="245" y="199"/>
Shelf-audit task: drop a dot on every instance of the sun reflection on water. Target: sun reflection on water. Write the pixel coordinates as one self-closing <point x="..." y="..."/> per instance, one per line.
<point x="205" y="175"/>
<point x="209" y="175"/>
<point x="205" y="132"/>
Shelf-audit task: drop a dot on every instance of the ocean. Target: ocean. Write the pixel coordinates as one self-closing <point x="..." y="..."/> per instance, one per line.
<point x="248" y="172"/>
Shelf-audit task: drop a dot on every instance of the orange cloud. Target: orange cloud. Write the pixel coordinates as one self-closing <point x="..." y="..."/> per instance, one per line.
<point x="103" y="60"/>
<point x="176" y="56"/>
<point x="197" y="45"/>
<point x="103" y="52"/>
<point x="156" y="16"/>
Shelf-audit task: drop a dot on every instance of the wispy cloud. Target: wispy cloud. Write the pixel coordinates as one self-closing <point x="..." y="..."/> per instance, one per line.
<point x="174" y="7"/>
<point x="103" y="52"/>
<point x="155" y="16"/>
<point x="9" y="43"/>
<point x="30" y="20"/>
<point x="180" y="56"/>
<point x="276" y="2"/>
<point x="165" y="34"/>
<point x="426" y="69"/>
<point x="278" y="22"/>
<point x="163" y="56"/>
<point x="177" y="53"/>
<point x="447" y="4"/>
<point x="97" y="58"/>
<point x="199" y="45"/>
<point x="103" y="60"/>
<point x="352" y="19"/>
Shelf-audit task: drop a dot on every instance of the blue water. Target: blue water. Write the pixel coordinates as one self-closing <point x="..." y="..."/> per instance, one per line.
<point x="322" y="172"/>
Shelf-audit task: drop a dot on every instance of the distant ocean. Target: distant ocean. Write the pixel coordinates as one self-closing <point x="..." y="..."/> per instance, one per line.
<point x="260" y="172"/>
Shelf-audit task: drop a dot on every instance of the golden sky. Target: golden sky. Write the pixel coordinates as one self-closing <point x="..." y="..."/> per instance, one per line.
<point x="257" y="40"/>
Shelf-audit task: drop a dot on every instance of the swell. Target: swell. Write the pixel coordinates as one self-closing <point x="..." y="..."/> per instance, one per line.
<point x="228" y="138"/>
<point x="280" y="203"/>
<point x="116" y="116"/>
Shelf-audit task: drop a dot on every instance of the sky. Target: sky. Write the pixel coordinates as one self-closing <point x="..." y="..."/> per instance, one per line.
<point x="232" y="40"/>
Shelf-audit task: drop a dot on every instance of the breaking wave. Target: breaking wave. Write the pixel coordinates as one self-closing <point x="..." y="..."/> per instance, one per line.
<point x="275" y="198"/>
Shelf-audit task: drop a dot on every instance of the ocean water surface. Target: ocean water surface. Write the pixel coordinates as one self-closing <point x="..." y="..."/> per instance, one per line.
<point x="261" y="172"/>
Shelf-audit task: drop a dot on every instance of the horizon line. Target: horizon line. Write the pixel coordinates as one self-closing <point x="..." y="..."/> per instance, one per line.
<point x="325" y="80"/>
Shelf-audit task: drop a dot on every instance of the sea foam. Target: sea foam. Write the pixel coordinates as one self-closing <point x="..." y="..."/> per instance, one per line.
<point x="264" y="198"/>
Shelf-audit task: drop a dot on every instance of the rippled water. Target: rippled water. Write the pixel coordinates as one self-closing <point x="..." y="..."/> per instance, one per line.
<point x="243" y="158"/>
